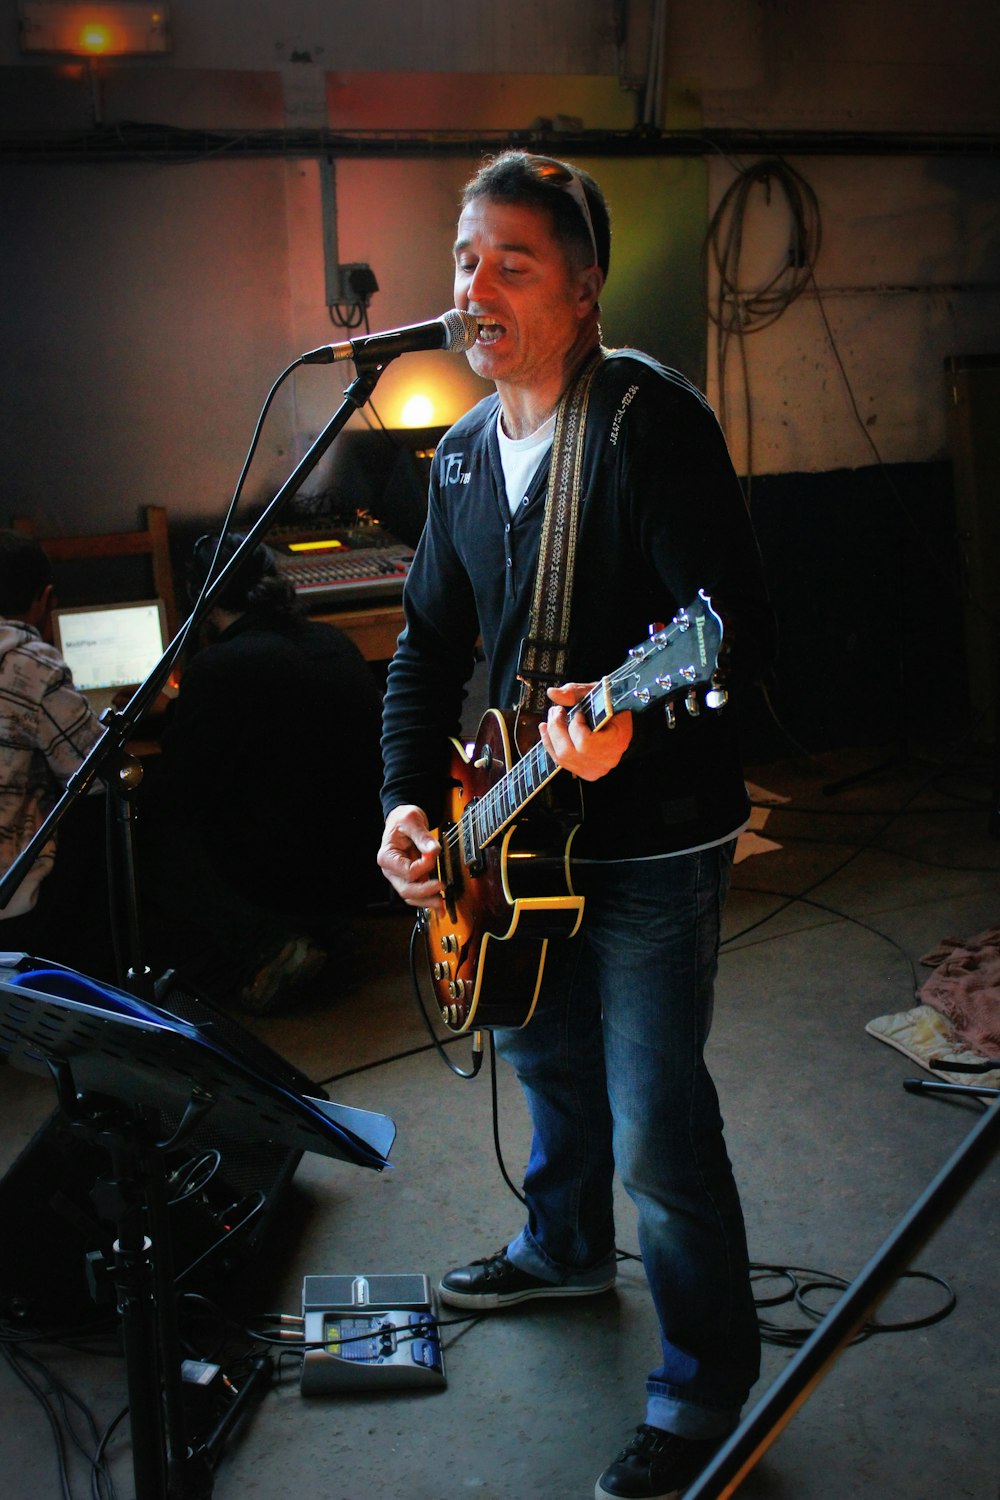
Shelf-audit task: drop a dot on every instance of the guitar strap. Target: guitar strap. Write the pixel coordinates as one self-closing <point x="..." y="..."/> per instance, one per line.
<point x="542" y="661"/>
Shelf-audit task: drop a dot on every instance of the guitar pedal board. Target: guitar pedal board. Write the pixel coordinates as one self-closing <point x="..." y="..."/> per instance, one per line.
<point x="369" y="1333"/>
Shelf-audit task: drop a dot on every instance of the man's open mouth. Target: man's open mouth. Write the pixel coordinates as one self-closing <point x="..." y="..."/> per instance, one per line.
<point x="489" y="331"/>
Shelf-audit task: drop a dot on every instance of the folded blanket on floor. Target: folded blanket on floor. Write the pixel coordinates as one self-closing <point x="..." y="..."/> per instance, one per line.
<point x="924" y="1034"/>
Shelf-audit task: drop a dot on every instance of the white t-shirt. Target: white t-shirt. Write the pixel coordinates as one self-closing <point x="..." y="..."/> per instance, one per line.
<point x="520" y="458"/>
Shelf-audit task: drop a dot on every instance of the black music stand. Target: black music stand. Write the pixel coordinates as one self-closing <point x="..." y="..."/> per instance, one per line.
<point x="121" y="1064"/>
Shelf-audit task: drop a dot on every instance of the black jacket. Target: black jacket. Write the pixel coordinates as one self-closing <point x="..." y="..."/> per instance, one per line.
<point x="272" y="756"/>
<point x="662" y="516"/>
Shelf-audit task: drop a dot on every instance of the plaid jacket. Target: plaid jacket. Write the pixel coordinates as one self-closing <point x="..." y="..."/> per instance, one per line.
<point x="46" y="729"/>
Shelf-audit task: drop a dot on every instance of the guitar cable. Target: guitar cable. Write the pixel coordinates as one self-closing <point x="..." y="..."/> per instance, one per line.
<point x="798" y="1282"/>
<point x="477" y="1036"/>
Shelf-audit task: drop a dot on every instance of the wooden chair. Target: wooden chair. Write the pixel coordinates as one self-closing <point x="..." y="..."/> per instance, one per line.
<point x="151" y="541"/>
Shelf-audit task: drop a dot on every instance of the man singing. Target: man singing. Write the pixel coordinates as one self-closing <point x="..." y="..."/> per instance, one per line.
<point x="611" y="1062"/>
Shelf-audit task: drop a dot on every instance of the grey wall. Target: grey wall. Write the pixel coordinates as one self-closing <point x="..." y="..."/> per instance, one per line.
<point x="147" y="305"/>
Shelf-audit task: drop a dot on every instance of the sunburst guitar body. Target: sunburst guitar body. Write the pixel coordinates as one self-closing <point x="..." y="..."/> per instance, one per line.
<point x="505" y="853"/>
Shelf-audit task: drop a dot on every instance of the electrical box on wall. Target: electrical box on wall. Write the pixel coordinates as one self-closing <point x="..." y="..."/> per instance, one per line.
<point x="354" y="284"/>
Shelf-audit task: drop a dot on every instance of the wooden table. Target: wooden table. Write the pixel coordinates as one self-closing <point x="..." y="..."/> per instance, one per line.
<point x="373" y="630"/>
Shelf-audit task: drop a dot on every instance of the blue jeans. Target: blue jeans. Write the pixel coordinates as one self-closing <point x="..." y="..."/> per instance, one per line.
<point x="614" y="1075"/>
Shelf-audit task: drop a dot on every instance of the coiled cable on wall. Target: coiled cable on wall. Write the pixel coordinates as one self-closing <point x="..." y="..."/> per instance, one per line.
<point x="736" y="310"/>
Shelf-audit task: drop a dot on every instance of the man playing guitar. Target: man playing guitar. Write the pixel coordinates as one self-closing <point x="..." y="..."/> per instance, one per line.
<point x="611" y="1061"/>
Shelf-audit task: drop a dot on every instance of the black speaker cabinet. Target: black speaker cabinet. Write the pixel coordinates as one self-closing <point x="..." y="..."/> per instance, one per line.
<point x="973" y="389"/>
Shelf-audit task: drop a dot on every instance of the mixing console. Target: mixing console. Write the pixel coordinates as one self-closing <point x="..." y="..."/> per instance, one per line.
<point x="332" y="572"/>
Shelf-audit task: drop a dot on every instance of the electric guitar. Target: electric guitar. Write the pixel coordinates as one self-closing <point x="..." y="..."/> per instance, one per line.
<point x="505" y="870"/>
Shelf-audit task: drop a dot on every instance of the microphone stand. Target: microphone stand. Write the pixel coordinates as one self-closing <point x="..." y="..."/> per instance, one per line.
<point x="166" y="1465"/>
<point x="109" y="758"/>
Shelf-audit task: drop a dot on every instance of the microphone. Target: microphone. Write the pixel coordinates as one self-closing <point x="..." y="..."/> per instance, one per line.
<point x="455" y="331"/>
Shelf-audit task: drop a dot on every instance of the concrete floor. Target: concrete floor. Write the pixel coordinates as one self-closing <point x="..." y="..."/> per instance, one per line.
<point x="829" y="1150"/>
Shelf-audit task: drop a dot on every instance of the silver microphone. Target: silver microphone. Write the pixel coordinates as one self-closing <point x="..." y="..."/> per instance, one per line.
<point x="455" y="331"/>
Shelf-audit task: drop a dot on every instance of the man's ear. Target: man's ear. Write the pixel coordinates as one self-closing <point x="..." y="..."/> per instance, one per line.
<point x="590" y="286"/>
<point x="41" y="607"/>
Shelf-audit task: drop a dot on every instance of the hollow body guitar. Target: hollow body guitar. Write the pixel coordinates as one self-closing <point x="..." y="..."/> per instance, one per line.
<point x="505" y="866"/>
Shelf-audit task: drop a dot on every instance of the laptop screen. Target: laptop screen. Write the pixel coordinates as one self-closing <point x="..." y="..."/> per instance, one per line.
<point x="109" y="646"/>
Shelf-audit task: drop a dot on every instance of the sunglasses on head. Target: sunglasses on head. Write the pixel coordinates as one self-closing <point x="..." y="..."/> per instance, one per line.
<point x="564" y="177"/>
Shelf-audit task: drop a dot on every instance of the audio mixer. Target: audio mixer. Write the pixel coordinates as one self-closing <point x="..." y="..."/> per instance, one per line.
<point x="359" y="566"/>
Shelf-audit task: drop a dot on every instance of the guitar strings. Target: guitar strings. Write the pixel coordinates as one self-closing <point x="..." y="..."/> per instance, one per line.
<point x="488" y="813"/>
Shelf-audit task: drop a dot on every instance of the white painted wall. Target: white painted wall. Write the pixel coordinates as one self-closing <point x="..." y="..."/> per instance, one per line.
<point x="908" y="274"/>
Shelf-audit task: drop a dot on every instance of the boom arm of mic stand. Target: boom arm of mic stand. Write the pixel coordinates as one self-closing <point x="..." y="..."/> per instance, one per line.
<point x="119" y="724"/>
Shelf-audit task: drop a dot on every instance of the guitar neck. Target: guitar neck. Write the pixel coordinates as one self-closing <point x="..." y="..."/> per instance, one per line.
<point x="672" y="661"/>
<point x="505" y="800"/>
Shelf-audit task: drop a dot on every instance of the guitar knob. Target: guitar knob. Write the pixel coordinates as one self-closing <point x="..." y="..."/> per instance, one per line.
<point x="441" y="971"/>
<point x="452" y="1016"/>
<point x="456" y="988"/>
<point x="449" y="943"/>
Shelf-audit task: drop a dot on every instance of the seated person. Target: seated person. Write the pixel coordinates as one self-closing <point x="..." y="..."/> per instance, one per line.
<point x="46" y="730"/>
<point x="258" y="826"/>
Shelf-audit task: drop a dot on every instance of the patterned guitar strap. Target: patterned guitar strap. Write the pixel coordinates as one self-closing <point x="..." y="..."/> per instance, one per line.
<point x="542" y="662"/>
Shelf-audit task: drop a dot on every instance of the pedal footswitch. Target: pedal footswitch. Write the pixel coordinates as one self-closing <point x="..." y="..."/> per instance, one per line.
<point x="367" y="1332"/>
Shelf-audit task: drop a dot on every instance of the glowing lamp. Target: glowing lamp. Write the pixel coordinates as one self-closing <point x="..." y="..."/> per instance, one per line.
<point x="418" y="411"/>
<point x="117" y="28"/>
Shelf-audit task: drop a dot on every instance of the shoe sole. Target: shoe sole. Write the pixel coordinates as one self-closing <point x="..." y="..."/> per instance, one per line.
<point x="487" y="1300"/>
<point x="282" y="979"/>
<point x="600" y="1493"/>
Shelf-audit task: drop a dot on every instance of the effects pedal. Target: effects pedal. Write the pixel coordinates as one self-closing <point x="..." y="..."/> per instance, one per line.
<point x="369" y="1332"/>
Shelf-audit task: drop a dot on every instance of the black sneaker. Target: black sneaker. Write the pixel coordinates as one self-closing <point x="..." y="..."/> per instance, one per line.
<point x="497" y="1282"/>
<point x="655" y="1465"/>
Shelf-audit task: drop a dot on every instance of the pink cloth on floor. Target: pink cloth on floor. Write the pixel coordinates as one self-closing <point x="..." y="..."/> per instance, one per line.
<point x="965" y="988"/>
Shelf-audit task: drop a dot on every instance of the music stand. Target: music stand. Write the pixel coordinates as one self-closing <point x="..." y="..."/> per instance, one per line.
<point x="120" y="1064"/>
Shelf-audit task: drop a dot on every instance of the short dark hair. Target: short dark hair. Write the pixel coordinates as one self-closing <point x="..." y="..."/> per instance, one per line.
<point x="25" y="571"/>
<point x="256" y="585"/>
<point x="511" y="177"/>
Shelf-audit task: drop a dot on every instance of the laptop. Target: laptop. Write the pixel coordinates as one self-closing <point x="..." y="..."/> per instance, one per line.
<point x="108" y="647"/>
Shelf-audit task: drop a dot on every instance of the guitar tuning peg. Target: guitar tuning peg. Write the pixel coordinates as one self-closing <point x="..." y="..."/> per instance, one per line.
<point x="717" y="696"/>
<point x="691" y="704"/>
<point x="668" y="709"/>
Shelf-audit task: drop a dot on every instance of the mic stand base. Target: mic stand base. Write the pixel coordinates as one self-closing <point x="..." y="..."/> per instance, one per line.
<point x="133" y="1197"/>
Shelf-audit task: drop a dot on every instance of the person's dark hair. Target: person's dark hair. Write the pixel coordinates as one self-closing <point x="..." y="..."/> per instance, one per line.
<point x="521" y="177"/>
<point x="256" y="586"/>
<point x="24" y="572"/>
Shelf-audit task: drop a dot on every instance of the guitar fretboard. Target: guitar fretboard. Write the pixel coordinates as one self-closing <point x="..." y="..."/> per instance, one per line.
<point x="491" y="812"/>
<point x="636" y="683"/>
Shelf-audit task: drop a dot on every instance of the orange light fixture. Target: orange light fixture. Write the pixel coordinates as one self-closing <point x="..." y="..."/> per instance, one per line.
<point x="115" y="28"/>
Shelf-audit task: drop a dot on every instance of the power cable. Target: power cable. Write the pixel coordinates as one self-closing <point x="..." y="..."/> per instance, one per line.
<point x="56" y="1399"/>
<point x="737" y="310"/>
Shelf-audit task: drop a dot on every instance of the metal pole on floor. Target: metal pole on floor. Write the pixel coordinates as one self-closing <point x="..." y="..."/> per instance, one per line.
<point x="774" y="1411"/>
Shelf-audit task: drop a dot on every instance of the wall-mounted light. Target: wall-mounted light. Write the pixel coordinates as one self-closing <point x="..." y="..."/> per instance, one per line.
<point x="116" y="28"/>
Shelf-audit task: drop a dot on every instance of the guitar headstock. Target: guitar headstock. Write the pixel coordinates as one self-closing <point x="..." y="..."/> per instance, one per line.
<point x="676" y="660"/>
